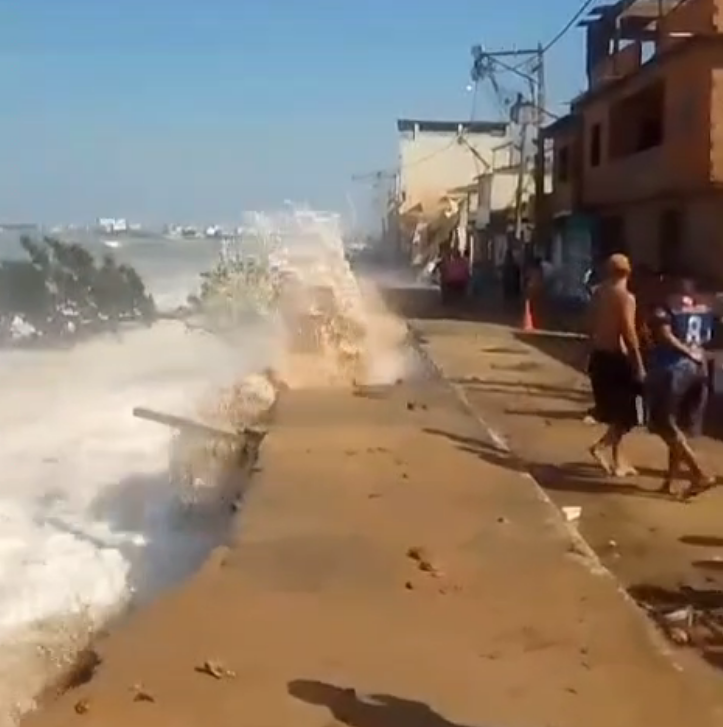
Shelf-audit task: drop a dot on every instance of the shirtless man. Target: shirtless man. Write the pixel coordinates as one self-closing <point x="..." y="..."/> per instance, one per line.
<point x="615" y="365"/>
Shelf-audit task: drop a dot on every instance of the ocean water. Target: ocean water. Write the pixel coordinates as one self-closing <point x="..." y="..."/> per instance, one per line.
<point x="88" y="515"/>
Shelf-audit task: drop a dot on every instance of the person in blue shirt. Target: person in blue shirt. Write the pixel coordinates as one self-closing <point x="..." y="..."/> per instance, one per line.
<point x="677" y="384"/>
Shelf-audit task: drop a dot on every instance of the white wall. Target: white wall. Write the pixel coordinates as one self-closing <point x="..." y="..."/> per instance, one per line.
<point x="504" y="188"/>
<point x="431" y="163"/>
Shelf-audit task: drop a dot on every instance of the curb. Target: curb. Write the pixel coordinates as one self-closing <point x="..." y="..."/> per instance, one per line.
<point x="586" y="555"/>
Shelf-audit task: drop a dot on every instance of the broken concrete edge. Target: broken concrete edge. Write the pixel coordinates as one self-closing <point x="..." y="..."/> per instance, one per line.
<point x="584" y="552"/>
<point x="80" y="668"/>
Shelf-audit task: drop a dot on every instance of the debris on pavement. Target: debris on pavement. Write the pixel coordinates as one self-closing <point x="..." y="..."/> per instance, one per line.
<point x="413" y="406"/>
<point x="446" y="590"/>
<point x="369" y="391"/>
<point x="420" y="556"/>
<point x="215" y="669"/>
<point x="141" y="694"/>
<point x="572" y="513"/>
<point x="679" y="636"/>
<point x="679" y="625"/>
<point x="82" y="707"/>
<point x="684" y="616"/>
<point x="417" y="553"/>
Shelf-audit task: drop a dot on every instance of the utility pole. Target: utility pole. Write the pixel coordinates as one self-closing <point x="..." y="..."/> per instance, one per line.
<point x="486" y="65"/>
<point x="540" y="141"/>
<point x="521" y="168"/>
<point x="523" y="113"/>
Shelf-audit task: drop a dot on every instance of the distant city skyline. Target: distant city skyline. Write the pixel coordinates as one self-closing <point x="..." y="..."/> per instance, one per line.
<point x="195" y="112"/>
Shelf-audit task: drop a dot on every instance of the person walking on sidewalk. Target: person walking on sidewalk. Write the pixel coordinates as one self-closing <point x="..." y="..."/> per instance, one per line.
<point x="678" y="382"/>
<point x="454" y="277"/>
<point x="615" y="365"/>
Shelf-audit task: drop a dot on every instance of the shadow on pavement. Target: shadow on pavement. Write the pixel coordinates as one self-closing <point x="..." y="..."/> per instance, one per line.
<point x="501" y="386"/>
<point x="568" y="350"/>
<point x="588" y="478"/>
<point x="368" y="710"/>
<point x="703" y="541"/>
<point x="563" y="415"/>
<point x="487" y="451"/>
<point x="568" y="477"/>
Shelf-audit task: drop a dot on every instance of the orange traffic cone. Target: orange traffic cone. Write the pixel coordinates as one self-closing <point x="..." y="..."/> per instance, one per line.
<point x="528" y="323"/>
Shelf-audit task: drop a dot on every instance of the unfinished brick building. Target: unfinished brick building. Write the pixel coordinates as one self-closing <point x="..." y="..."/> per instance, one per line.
<point x="638" y="162"/>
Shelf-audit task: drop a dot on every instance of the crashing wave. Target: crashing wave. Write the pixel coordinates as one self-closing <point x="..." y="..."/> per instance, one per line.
<point x="290" y="274"/>
<point x="291" y="269"/>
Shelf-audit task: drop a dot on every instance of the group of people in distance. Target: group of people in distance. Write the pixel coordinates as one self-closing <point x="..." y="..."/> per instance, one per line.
<point x="661" y="382"/>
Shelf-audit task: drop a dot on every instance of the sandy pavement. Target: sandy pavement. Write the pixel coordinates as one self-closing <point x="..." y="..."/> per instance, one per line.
<point x="666" y="553"/>
<point x="381" y="576"/>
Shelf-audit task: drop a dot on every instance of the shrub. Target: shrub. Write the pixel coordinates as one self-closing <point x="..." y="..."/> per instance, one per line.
<point x="236" y="290"/>
<point x="61" y="291"/>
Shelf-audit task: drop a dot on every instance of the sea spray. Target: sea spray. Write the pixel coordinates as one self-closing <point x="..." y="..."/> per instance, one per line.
<point x="306" y="273"/>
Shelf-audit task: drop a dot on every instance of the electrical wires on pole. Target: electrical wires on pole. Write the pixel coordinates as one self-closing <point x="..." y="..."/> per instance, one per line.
<point x="527" y="65"/>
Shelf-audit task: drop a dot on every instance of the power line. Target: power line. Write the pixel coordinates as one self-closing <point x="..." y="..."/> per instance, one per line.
<point x="568" y="26"/>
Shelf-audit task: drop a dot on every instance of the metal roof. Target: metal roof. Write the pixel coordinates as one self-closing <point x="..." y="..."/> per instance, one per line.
<point x="495" y="128"/>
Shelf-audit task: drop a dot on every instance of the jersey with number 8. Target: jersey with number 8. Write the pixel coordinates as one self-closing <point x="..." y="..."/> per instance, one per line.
<point x="692" y="325"/>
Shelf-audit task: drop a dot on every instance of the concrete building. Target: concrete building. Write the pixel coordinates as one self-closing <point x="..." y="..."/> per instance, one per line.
<point x="496" y="211"/>
<point x="638" y="162"/>
<point x="112" y="225"/>
<point x="436" y="189"/>
<point x="436" y="156"/>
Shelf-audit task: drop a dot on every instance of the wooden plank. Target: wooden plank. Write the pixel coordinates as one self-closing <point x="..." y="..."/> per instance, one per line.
<point x="183" y="423"/>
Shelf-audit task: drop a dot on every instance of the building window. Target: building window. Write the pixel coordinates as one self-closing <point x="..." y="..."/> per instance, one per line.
<point x="595" y="145"/>
<point x="637" y="122"/>
<point x="562" y="164"/>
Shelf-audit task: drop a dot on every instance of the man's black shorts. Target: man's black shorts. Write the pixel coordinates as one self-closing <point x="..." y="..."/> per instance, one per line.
<point x="615" y="389"/>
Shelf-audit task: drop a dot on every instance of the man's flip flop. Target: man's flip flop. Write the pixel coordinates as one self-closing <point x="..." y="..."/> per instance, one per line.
<point x="696" y="488"/>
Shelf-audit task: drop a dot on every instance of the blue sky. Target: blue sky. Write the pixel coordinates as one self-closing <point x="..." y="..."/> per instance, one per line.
<point x="194" y="110"/>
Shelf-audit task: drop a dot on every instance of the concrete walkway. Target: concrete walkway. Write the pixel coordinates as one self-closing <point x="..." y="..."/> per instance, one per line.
<point x="385" y="576"/>
<point x="666" y="553"/>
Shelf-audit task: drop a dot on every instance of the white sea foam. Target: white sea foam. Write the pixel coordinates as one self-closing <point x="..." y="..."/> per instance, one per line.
<point x="87" y="512"/>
